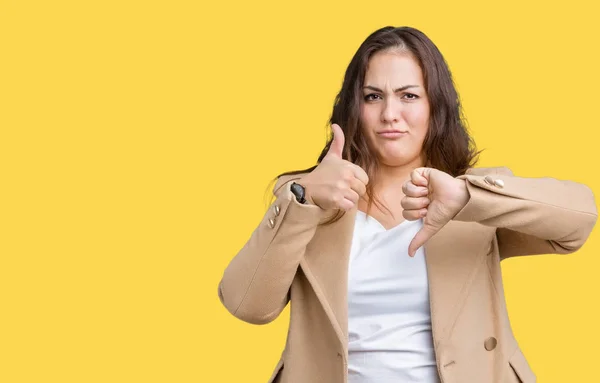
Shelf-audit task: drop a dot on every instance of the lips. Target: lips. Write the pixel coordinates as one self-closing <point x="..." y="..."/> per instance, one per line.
<point x="392" y="133"/>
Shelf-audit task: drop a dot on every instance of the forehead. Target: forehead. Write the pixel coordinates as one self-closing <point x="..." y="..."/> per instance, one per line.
<point x="393" y="68"/>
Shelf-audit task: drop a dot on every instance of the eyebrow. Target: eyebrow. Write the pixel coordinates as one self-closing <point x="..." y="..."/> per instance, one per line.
<point x="395" y="90"/>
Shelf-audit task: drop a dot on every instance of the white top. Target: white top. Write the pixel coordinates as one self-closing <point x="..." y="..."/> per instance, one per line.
<point x="389" y="319"/>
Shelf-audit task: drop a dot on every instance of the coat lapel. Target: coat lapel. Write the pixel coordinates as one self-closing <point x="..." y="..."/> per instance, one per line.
<point x="452" y="257"/>
<point x="326" y="268"/>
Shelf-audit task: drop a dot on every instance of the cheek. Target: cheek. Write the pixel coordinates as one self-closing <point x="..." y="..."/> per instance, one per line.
<point x="419" y="118"/>
<point x="368" y="116"/>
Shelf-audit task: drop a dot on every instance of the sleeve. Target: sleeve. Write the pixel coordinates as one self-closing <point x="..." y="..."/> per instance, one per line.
<point x="255" y="284"/>
<point x="531" y="215"/>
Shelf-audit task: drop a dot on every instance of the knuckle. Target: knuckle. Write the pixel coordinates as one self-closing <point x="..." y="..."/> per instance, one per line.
<point x="365" y="176"/>
<point x="348" y="177"/>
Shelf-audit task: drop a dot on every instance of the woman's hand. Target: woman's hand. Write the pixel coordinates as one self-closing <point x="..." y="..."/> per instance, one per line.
<point x="436" y="197"/>
<point x="335" y="183"/>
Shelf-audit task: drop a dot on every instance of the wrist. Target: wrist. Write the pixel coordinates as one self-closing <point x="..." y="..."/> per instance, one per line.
<point x="307" y="191"/>
<point x="462" y="194"/>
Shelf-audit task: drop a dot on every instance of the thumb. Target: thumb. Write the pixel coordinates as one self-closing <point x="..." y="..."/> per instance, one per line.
<point x="337" y="144"/>
<point x="420" y="238"/>
<point x="420" y="176"/>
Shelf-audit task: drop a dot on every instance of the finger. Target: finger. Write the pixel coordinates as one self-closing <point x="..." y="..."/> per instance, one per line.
<point x="360" y="173"/>
<point x="358" y="186"/>
<point x="412" y="190"/>
<point x="420" y="238"/>
<point x="409" y="203"/>
<point x="346" y="200"/>
<point x="413" y="215"/>
<point x="336" y="148"/>
<point x="345" y="204"/>
<point x="420" y="176"/>
<point x="351" y="195"/>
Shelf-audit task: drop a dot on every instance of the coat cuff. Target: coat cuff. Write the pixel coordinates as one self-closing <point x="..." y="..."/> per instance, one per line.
<point x="296" y="211"/>
<point x="480" y="188"/>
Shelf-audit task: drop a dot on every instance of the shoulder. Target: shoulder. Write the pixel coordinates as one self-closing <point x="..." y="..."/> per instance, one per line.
<point x="489" y="170"/>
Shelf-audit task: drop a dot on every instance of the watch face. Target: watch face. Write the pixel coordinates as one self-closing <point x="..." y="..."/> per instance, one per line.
<point x="298" y="191"/>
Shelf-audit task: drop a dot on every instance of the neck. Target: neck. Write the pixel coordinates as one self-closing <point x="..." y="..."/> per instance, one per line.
<point x="393" y="177"/>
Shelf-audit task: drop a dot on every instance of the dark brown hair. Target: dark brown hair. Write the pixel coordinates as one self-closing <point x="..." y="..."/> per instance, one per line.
<point x="447" y="145"/>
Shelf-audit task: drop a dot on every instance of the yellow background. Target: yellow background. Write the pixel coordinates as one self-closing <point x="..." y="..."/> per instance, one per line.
<point x="138" y="139"/>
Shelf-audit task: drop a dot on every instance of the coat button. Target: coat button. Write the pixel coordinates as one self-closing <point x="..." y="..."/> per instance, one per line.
<point x="489" y="180"/>
<point x="499" y="183"/>
<point x="276" y="210"/>
<point x="271" y="223"/>
<point x="490" y="343"/>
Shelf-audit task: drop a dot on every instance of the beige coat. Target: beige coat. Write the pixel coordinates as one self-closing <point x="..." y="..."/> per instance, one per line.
<point x="289" y="257"/>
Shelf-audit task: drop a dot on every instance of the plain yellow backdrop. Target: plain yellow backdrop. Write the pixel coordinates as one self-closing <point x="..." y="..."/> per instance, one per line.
<point x="138" y="139"/>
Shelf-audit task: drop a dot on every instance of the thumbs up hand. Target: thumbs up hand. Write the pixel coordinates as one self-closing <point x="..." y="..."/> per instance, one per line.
<point x="335" y="183"/>
<point x="436" y="197"/>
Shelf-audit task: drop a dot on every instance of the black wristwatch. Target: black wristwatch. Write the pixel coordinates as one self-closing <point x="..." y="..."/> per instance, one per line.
<point x="298" y="190"/>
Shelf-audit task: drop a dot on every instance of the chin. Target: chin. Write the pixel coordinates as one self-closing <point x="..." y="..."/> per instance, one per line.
<point x="395" y="161"/>
<point x="398" y="159"/>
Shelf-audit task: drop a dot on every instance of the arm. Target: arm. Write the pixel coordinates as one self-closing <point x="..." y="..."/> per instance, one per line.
<point x="532" y="215"/>
<point x="255" y="284"/>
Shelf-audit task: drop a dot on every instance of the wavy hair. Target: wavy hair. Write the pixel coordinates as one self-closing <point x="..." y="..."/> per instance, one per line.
<point x="447" y="145"/>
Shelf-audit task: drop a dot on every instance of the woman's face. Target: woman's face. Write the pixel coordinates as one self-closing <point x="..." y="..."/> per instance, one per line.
<point x="395" y="109"/>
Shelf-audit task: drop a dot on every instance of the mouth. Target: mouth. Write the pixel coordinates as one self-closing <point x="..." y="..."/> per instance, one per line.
<point x="392" y="133"/>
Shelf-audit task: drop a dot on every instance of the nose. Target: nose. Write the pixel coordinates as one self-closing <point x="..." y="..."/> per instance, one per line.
<point x="391" y="111"/>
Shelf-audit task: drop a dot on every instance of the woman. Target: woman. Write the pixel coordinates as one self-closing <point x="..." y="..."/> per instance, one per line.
<point x="389" y="248"/>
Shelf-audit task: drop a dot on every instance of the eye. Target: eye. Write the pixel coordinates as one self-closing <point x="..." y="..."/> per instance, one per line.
<point x="369" y="97"/>
<point x="413" y="96"/>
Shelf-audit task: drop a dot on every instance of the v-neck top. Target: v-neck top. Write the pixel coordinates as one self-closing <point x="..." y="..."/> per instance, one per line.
<point x="389" y="319"/>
